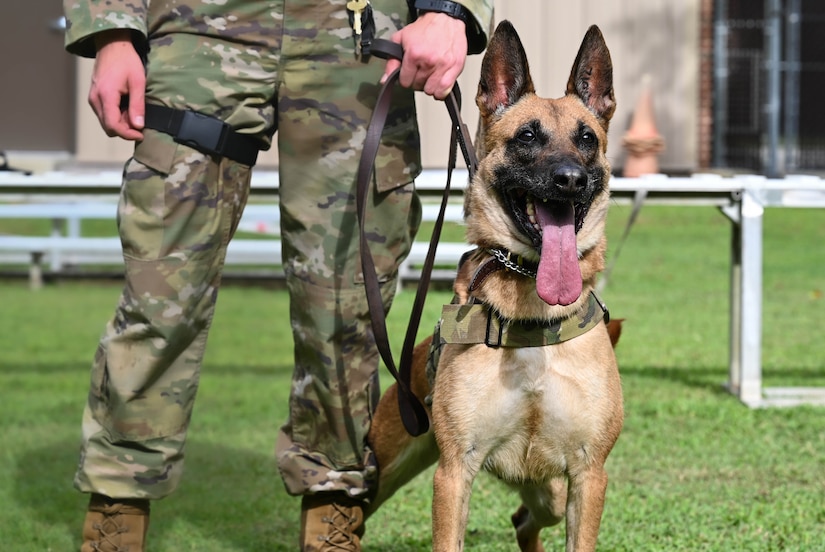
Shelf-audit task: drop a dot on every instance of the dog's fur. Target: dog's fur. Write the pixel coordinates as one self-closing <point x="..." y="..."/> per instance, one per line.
<point x="541" y="419"/>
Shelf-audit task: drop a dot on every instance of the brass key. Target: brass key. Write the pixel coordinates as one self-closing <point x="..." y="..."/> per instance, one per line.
<point x="357" y="7"/>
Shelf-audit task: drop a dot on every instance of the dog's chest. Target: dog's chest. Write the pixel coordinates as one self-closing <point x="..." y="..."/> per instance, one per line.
<point x="532" y="419"/>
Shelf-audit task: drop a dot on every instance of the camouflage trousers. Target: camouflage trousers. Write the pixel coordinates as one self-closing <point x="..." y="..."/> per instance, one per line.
<point x="177" y="213"/>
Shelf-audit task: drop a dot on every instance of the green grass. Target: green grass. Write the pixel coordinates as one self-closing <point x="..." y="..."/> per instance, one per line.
<point x="693" y="469"/>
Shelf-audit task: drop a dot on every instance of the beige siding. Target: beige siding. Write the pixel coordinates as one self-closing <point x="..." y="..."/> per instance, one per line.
<point x="655" y="37"/>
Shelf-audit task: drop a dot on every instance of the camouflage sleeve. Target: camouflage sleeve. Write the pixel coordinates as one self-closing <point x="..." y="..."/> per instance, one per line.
<point x="482" y="11"/>
<point x="85" y="18"/>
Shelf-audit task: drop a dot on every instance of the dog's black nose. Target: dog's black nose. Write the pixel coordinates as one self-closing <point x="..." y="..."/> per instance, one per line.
<point x="568" y="179"/>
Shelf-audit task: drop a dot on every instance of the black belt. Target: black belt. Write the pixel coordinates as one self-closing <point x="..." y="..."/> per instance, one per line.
<point x="204" y="133"/>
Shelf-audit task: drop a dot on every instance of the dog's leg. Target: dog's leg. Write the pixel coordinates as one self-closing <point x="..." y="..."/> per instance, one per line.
<point x="541" y="507"/>
<point x="585" y="502"/>
<point x="527" y="531"/>
<point x="399" y="456"/>
<point x="452" y="487"/>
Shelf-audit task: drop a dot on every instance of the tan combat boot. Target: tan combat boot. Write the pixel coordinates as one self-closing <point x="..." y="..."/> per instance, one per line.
<point x="115" y="525"/>
<point x="331" y="522"/>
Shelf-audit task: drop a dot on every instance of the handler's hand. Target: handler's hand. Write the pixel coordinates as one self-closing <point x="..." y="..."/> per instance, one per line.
<point x="435" y="48"/>
<point x="118" y="73"/>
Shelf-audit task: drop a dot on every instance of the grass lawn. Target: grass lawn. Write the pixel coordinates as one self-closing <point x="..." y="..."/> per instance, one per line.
<point x="693" y="470"/>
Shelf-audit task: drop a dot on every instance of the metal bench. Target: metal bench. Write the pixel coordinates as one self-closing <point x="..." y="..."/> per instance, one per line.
<point x="66" y="246"/>
<point x="742" y="199"/>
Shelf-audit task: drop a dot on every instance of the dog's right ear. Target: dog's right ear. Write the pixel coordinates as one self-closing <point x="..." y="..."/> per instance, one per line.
<point x="505" y="73"/>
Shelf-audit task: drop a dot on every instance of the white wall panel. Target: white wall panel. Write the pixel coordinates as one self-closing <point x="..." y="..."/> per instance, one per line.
<point x="655" y="37"/>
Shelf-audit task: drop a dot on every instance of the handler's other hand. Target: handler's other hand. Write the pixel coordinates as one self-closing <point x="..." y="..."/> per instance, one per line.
<point x="435" y="49"/>
<point x="118" y="76"/>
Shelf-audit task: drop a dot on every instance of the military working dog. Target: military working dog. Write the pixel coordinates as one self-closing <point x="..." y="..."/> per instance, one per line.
<point x="522" y="376"/>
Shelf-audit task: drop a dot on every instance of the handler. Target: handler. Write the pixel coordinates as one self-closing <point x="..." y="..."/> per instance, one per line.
<point x="201" y="87"/>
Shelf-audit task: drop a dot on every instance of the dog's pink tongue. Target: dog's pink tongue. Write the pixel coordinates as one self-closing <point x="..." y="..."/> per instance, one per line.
<point x="558" y="281"/>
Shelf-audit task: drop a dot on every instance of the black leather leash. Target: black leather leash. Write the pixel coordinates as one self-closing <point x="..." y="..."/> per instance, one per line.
<point x="413" y="414"/>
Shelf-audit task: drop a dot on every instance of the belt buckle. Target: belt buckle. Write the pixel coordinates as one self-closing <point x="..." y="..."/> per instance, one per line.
<point x="202" y="132"/>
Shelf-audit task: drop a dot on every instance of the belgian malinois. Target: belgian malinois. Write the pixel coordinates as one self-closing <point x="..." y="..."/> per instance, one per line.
<point x="526" y="384"/>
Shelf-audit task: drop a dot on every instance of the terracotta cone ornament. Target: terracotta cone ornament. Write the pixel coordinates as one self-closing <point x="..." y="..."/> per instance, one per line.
<point x="642" y="140"/>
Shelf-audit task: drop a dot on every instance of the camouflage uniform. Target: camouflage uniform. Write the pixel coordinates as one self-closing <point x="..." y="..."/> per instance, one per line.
<point x="258" y="65"/>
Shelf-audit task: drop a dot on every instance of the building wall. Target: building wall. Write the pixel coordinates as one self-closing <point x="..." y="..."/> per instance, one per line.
<point x="659" y="38"/>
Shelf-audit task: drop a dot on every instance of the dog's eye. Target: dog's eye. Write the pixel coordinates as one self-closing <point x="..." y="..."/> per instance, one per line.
<point x="526" y="136"/>
<point x="588" y="138"/>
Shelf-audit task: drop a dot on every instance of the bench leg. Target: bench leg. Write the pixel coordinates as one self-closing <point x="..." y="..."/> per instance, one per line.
<point x="36" y="271"/>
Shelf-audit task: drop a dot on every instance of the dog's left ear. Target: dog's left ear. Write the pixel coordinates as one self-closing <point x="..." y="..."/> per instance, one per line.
<point x="592" y="76"/>
<point x="505" y="73"/>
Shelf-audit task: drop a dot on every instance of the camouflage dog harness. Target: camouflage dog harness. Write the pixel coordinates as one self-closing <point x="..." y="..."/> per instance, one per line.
<point x="477" y="323"/>
<point x="480" y="323"/>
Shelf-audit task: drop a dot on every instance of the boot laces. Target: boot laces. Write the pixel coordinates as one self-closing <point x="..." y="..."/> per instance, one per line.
<point x="110" y="530"/>
<point x="340" y="534"/>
